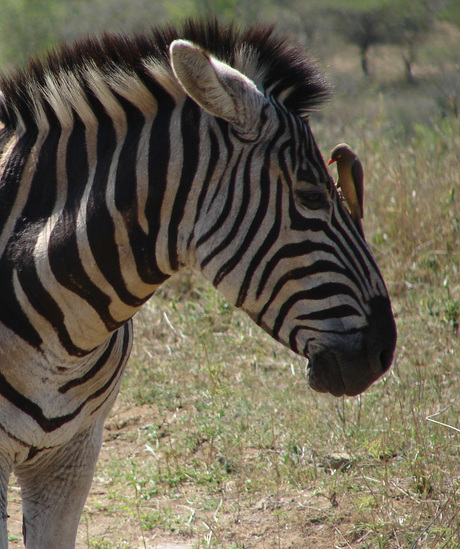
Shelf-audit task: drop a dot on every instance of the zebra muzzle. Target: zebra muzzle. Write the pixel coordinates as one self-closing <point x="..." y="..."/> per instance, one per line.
<point x="350" y="367"/>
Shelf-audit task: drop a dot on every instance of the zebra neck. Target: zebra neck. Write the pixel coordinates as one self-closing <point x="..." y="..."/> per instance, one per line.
<point x="109" y="204"/>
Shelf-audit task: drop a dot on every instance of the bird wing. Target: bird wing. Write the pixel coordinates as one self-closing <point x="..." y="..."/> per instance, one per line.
<point x="358" y="180"/>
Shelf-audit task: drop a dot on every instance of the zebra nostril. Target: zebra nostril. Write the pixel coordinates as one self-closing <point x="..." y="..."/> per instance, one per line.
<point x="380" y="334"/>
<point x="386" y="358"/>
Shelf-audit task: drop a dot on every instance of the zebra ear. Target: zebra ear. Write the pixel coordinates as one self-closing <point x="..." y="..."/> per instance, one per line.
<point x="218" y="88"/>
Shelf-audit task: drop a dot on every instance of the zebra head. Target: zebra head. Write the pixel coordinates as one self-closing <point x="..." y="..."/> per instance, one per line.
<point x="271" y="232"/>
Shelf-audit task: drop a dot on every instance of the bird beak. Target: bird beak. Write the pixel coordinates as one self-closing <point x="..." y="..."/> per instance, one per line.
<point x="331" y="161"/>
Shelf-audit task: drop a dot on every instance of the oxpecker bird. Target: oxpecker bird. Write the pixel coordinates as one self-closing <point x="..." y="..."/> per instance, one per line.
<point x="350" y="180"/>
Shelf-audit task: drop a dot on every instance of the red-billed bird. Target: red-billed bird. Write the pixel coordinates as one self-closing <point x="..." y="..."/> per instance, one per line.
<point x="350" y="180"/>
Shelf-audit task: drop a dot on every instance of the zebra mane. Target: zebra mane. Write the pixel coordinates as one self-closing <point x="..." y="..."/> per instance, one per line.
<point x="132" y="66"/>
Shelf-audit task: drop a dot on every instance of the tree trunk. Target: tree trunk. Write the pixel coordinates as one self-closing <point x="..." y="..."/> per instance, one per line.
<point x="364" y="61"/>
<point x="408" y="68"/>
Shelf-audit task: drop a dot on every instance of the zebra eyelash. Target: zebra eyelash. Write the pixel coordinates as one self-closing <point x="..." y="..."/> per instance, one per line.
<point x="312" y="198"/>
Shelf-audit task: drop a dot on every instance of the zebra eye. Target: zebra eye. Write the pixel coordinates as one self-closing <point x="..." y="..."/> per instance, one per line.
<point x="313" y="199"/>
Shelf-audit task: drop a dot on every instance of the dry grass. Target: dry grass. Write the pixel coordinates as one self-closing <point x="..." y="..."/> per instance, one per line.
<point x="216" y="440"/>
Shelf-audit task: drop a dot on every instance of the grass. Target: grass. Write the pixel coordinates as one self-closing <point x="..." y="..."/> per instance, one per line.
<point x="234" y="451"/>
<point x="216" y="441"/>
<point x="231" y="432"/>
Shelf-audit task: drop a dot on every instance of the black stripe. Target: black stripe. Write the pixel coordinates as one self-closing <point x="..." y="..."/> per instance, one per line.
<point x="76" y="167"/>
<point x="271" y="238"/>
<point x="225" y="182"/>
<point x="92" y="371"/>
<point x="125" y="187"/>
<point x="265" y="190"/>
<point x="228" y="152"/>
<point x="48" y="425"/>
<point x="293" y="340"/>
<point x="32" y="409"/>
<point x="10" y="182"/>
<point x="213" y="160"/>
<point x="239" y="218"/>
<point x="190" y="134"/>
<point x="339" y="311"/>
<point x="42" y="195"/>
<point x="38" y="208"/>
<point x="42" y="301"/>
<point x="351" y="253"/>
<point x="298" y="249"/>
<point x="318" y="293"/>
<point x="360" y="254"/>
<point x="99" y="222"/>
<point x="222" y="217"/>
<point x="143" y="245"/>
<point x="302" y="328"/>
<point x="118" y="371"/>
<point x="63" y="248"/>
<point x="11" y="313"/>
<point x="318" y="267"/>
<point x="274" y="232"/>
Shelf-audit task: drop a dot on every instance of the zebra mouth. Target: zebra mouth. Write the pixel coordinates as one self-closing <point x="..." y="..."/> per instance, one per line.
<point x="350" y="367"/>
<point x="329" y="372"/>
<point x="324" y="375"/>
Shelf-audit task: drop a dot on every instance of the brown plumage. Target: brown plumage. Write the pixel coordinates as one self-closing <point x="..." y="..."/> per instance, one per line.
<point x="350" y="180"/>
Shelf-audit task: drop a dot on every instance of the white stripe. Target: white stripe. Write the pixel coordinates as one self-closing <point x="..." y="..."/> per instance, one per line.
<point x="176" y="157"/>
<point x="23" y="189"/>
<point x="133" y="282"/>
<point x="142" y="174"/>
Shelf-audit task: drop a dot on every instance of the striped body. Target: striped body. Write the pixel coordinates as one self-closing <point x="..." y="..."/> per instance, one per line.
<point x="119" y="165"/>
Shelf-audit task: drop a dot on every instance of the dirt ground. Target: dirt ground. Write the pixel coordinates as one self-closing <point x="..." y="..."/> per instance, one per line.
<point x="319" y="522"/>
<point x="259" y="525"/>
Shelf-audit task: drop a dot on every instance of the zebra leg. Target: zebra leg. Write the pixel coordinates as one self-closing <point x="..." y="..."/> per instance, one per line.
<point x="55" y="485"/>
<point x="5" y="469"/>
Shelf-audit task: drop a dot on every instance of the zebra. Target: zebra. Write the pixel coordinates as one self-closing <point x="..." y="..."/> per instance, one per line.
<point x="124" y="158"/>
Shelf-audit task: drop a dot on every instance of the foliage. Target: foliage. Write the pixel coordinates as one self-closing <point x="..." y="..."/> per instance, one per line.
<point x="401" y="23"/>
<point x="28" y="28"/>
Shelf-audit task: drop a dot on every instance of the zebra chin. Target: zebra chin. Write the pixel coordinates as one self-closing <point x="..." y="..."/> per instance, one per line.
<point x="350" y="370"/>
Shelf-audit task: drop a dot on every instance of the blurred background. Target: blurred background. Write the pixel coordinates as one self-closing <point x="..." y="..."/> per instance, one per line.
<point x="383" y="46"/>
<point x="396" y="60"/>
